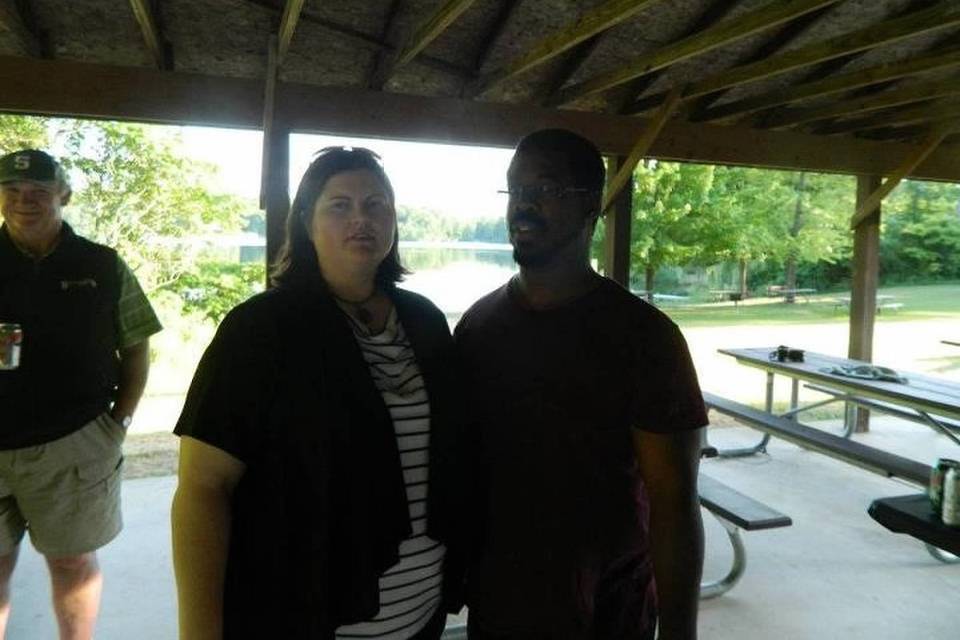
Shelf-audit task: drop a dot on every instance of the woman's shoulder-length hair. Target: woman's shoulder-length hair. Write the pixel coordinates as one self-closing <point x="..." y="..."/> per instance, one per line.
<point x="296" y="263"/>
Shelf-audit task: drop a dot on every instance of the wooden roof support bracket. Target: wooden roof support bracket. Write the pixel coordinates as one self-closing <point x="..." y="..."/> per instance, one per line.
<point x="288" y="24"/>
<point x="432" y="28"/>
<point x="641" y="147"/>
<point x="143" y="12"/>
<point x="590" y="24"/>
<point x="909" y="164"/>
<point x="766" y="17"/>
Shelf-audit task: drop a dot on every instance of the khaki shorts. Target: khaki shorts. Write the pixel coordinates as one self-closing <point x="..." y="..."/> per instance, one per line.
<point x="65" y="492"/>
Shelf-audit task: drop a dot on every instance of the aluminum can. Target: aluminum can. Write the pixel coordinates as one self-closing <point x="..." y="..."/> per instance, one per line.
<point x="951" y="498"/>
<point x="11" y="335"/>
<point x="937" y="474"/>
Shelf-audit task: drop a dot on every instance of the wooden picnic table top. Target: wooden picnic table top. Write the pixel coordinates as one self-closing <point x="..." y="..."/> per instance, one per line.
<point x="920" y="393"/>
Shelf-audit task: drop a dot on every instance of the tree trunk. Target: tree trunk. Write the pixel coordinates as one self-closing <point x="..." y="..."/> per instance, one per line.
<point x="791" y="271"/>
<point x="650" y="272"/>
<point x="743" y="278"/>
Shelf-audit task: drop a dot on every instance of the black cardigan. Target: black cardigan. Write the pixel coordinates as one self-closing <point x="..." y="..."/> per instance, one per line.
<point x="321" y="509"/>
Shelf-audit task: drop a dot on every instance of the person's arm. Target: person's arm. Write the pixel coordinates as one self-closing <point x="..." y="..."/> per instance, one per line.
<point x="134" y="369"/>
<point x="201" y="535"/>
<point x="669" y="464"/>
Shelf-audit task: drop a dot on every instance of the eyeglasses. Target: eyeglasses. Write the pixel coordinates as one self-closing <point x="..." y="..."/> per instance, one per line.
<point x="538" y="192"/>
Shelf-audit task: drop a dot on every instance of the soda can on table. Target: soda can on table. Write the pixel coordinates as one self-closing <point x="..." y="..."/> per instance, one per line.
<point x="951" y="498"/>
<point x="11" y="335"/>
<point x="937" y="475"/>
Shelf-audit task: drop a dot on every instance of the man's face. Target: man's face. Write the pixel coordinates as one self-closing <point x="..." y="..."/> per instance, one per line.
<point x="32" y="210"/>
<point x="546" y="217"/>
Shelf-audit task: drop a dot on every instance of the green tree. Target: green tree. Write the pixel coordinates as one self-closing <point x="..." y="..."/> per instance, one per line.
<point x="668" y="201"/>
<point x="921" y="234"/>
<point x="22" y="132"/>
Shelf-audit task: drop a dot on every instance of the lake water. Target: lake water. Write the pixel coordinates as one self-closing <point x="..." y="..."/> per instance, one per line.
<point x="455" y="274"/>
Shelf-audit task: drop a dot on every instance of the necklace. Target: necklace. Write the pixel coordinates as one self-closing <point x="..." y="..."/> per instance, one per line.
<point x="362" y="314"/>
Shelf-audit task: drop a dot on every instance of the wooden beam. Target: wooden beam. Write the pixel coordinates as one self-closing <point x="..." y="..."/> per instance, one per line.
<point x="384" y="61"/>
<point x="640" y="148"/>
<point x="710" y="16"/>
<point x="275" y="167"/>
<point x="143" y="12"/>
<point x="434" y="25"/>
<point x="367" y="39"/>
<point x="497" y="27"/>
<point x="575" y="59"/>
<point x="934" y="111"/>
<point x="914" y="92"/>
<point x="863" y="286"/>
<point x="616" y="227"/>
<point x="872" y="202"/>
<point x="12" y="22"/>
<point x="781" y="39"/>
<point x="590" y="24"/>
<point x="775" y="13"/>
<point x="835" y="84"/>
<point x="288" y="24"/>
<point x="269" y="110"/>
<point x="74" y="89"/>
<point x="940" y="16"/>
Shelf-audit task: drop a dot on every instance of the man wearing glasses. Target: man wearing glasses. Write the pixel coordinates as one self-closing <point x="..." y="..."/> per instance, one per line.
<point x="587" y="420"/>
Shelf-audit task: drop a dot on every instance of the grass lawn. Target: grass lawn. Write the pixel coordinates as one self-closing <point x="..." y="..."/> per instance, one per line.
<point x="920" y="302"/>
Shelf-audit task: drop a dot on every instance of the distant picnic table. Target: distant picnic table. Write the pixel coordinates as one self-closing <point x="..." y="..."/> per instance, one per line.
<point x="882" y="301"/>
<point x="776" y="290"/>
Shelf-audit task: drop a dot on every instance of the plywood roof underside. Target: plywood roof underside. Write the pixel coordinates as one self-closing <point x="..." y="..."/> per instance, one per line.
<point x="869" y="69"/>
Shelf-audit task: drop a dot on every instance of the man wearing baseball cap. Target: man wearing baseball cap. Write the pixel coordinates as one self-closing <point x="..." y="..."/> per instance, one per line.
<point x="71" y="395"/>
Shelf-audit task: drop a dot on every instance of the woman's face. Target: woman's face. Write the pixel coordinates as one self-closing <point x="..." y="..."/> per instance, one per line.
<point x="353" y="224"/>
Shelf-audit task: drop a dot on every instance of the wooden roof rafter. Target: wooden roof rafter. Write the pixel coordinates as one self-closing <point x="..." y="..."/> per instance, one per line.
<point x="914" y="92"/>
<point x="632" y="90"/>
<point x="145" y="12"/>
<point x="419" y="39"/>
<point x="288" y="25"/>
<point x="775" y="13"/>
<point x="931" y="111"/>
<point x="17" y="19"/>
<point x="938" y="17"/>
<point x="836" y="84"/>
<point x="590" y="24"/>
<point x="377" y="43"/>
<point x="782" y="37"/>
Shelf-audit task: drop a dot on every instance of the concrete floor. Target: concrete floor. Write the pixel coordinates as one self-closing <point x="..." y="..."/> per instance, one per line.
<point x="835" y="574"/>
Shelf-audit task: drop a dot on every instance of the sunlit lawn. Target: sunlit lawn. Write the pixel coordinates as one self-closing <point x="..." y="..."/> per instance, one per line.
<point x="920" y="302"/>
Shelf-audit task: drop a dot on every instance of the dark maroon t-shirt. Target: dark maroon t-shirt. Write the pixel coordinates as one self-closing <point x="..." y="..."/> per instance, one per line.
<point x="555" y="395"/>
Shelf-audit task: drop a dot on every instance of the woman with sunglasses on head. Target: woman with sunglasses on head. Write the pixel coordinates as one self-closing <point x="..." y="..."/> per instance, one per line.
<point x="315" y="483"/>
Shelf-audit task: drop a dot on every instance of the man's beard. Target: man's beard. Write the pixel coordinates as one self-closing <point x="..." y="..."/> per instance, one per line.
<point x="543" y="255"/>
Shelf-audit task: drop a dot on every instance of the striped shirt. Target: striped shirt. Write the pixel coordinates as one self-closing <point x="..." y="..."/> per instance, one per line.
<point x="409" y="590"/>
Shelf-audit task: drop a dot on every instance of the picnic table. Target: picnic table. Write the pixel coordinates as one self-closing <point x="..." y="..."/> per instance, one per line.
<point x="920" y="398"/>
<point x="951" y="342"/>
<point x="882" y="302"/>
<point x="785" y="292"/>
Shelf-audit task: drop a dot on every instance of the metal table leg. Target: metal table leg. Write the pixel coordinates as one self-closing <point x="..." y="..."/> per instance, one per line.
<point x="760" y="447"/>
<point x="943" y="556"/>
<point x="719" y="587"/>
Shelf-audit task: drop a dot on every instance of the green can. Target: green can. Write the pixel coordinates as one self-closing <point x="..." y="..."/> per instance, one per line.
<point x="937" y="475"/>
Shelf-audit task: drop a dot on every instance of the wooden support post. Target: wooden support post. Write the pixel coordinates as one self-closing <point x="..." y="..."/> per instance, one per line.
<point x="275" y="168"/>
<point x="863" y="295"/>
<point x="616" y="239"/>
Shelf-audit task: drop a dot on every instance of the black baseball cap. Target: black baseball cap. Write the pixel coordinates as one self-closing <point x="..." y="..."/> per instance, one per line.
<point x="31" y="165"/>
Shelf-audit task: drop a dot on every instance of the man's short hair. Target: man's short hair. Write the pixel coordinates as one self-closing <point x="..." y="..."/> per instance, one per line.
<point x="581" y="156"/>
<point x="33" y="165"/>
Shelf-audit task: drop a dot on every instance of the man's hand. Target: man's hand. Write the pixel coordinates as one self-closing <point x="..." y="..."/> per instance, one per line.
<point x="134" y="368"/>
